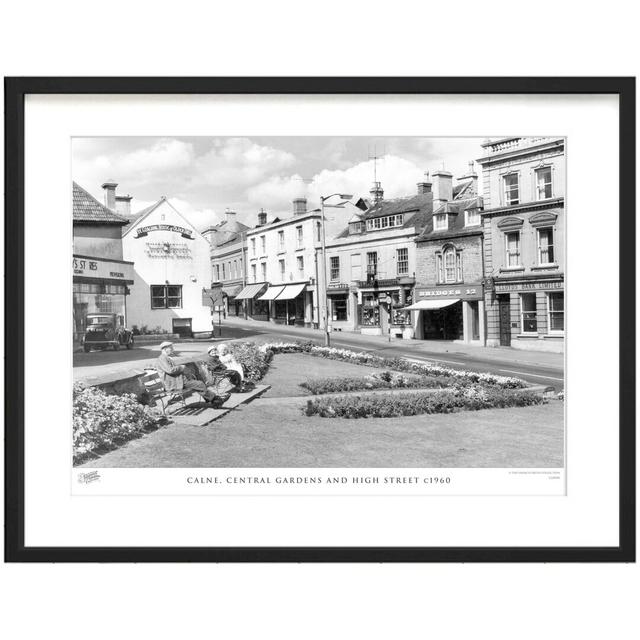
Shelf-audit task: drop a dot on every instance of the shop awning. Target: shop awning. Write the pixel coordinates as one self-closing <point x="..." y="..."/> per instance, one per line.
<point x="291" y="291"/>
<point x="231" y="292"/>
<point x="426" y="305"/>
<point x="251" y="291"/>
<point x="271" y="293"/>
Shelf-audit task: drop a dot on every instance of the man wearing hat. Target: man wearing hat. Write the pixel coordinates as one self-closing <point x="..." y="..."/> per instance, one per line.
<point x="173" y="375"/>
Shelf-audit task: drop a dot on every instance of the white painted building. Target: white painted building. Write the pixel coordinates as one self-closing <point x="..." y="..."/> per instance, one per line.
<point x="171" y="268"/>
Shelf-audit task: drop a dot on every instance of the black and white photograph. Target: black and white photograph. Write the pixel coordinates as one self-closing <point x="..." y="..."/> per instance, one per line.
<point x="318" y="302"/>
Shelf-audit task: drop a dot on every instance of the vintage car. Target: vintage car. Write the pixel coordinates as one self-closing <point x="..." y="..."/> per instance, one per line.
<point x="103" y="330"/>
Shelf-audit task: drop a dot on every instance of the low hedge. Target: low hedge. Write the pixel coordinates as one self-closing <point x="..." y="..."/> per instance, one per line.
<point x="254" y="360"/>
<point x="396" y="364"/>
<point x="388" y="405"/>
<point x="383" y="380"/>
<point x="102" y="422"/>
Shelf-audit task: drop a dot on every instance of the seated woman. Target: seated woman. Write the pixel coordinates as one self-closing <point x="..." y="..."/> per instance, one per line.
<point x="227" y="363"/>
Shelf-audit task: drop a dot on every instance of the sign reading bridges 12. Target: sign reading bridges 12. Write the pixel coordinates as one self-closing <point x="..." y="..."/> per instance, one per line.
<point x="141" y="232"/>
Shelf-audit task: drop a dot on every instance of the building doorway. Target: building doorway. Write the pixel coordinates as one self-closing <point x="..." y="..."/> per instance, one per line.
<point x="443" y="324"/>
<point x="504" y="312"/>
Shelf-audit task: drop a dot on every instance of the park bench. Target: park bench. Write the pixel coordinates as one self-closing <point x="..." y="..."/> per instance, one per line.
<point x="157" y="392"/>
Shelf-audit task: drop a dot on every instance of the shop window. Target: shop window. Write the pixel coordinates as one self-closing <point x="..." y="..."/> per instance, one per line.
<point x="334" y="268"/>
<point x="512" y="241"/>
<point x="339" y="308"/>
<point x="402" y="261"/>
<point x="370" y="316"/>
<point x="511" y="189"/>
<point x="528" y="318"/>
<point x="545" y="246"/>
<point x="401" y="317"/>
<point x="555" y="310"/>
<point x="544" y="184"/>
<point x="166" y="296"/>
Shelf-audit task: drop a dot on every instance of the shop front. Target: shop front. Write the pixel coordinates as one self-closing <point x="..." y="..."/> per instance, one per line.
<point x="99" y="286"/>
<point x="449" y="313"/>
<point x="382" y="310"/>
<point x="526" y="313"/>
<point x="257" y="309"/>
<point x="233" y="306"/>
<point x="342" y="307"/>
<point x="288" y="307"/>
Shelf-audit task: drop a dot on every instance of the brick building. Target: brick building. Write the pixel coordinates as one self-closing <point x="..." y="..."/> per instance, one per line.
<point x="448" y="297"/>
<point x="524" y="240"/>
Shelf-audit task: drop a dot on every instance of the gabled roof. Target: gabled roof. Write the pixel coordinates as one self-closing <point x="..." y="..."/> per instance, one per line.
<point x="416" y="209"/>
<point x="464" y="190"/>
<point x="226" y="232"/>
<point x="87" y="210"/>
<point x="455" y="209"/>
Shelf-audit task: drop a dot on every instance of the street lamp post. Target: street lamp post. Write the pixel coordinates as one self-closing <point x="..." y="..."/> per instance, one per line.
<point x="325" y="316"/>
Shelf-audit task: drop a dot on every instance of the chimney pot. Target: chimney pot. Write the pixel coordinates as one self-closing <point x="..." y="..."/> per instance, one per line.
<point x="262" y="217"/>
<point x="299" y="206"/>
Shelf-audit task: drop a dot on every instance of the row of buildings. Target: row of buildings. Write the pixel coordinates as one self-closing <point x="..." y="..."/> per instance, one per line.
<point x="479" y="260"/>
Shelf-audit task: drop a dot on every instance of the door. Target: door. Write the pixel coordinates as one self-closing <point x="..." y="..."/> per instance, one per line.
<point x="504" y="306"/>
<point x="182" y="326"/>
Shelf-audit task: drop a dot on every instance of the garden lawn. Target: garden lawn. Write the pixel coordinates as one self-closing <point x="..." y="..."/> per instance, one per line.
<point x="274" y="433"/>
<point x="288" y="370"/>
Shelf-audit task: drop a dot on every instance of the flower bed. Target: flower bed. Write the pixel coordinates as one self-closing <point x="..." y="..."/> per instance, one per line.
<point x="102" y="421"/>
<point x="396" y="364"/>
<point x="382" y="380"/>
<point x="388" y="405"/>
<point x="254" y="360"/>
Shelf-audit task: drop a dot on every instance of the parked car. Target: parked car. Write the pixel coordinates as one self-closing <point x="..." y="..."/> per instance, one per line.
<point x="103" y="330"/>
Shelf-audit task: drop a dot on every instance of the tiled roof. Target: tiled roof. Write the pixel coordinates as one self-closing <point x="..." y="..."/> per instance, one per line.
<point x="455" y="209"/>
<point x="417" y="210"/>
<point x="226" y="232"/>
<point x="87" y="210"/>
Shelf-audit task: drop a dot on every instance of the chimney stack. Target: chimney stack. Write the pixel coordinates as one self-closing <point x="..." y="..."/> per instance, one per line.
<point x="442" y="187"/>
<point x="123" y="205"/>
<point x="262" y="217"/>
<point x="376" y="192"/>
<point x="110" y="194"/>
<point x="425" y="185"/>
<point x="299" y="206"/>
<point x="229" y="216"/>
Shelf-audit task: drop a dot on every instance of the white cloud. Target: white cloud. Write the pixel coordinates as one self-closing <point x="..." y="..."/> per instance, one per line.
<point x="397" y="175"/>
<point x="238" y="162"/>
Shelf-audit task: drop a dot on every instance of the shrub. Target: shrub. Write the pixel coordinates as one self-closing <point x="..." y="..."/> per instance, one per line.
<point x="102" y="421"/>
<point x="397" y="364"/>
<point x="387" y="405"/>
<point x="382" y="380"/>
<point x="254" y="360"/>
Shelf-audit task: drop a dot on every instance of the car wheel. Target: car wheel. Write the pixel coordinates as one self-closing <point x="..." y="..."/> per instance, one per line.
<point x="130" y="343"/>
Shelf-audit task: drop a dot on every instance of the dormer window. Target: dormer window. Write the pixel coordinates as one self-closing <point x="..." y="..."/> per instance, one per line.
<point x="356" y="227"/>
<point x="471" y="217"/>
<point x="384" y="222"/>
<point x="440" y="222"/>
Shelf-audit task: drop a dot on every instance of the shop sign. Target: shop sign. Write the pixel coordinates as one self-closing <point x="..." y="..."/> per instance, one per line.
<point x="141" y="232"/>
<point x="470" y="292"/>
<point x="528" y="286"/>
<point x="212" y="297"/>
<point x="107" y="269"/>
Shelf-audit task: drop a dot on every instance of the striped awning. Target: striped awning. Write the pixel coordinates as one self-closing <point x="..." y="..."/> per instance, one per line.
<point x="291" y="291"/>
<point x="271" y="293"/>
<point x="251" y="291"/>
<point x="231" y="292"/>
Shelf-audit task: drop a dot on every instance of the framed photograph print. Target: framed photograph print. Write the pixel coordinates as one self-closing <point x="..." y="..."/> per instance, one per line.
<point x="320" y="319"/>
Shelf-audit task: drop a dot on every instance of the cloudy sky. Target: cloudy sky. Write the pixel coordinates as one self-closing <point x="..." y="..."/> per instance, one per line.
<point x="203" y="176"/>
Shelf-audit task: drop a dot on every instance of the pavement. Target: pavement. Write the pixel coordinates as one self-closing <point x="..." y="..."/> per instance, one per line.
<point x="533" y="366"/>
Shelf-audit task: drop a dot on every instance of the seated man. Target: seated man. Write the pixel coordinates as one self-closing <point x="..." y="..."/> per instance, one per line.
<point x="173" y="375"/>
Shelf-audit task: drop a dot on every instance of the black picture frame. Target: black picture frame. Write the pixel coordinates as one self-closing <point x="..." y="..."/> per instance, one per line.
<point x="15" y="91"/>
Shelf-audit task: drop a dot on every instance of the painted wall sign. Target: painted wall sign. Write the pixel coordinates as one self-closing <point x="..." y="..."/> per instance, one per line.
<point x="468" y="292"/>
<point x="95" y="268"/>
<point x="141" y="232"/>
<point x="524" y="286"/>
